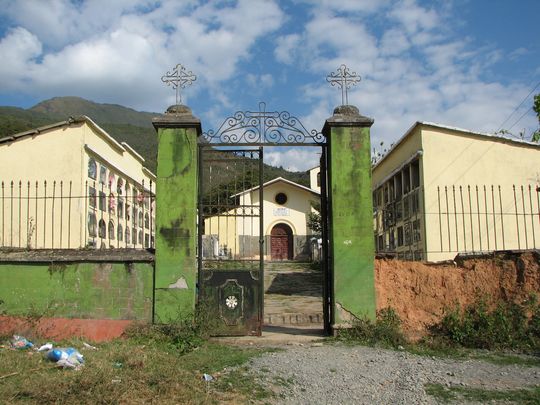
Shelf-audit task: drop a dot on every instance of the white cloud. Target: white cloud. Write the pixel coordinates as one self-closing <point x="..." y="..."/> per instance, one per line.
<point x="293" y="159"/>
<point x="119" y="55"/>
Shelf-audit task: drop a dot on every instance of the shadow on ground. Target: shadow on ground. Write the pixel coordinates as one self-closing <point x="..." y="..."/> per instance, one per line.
<point x="304" y="284"/>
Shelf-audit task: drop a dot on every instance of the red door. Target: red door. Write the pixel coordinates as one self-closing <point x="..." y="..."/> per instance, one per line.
<point x="281" y="247"/>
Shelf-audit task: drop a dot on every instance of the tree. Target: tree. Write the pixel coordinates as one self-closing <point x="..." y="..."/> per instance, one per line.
<point x="314" y="221"/>
<point x="536" y="108"/>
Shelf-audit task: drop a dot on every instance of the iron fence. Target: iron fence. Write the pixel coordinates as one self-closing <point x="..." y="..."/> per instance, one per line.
<point x="66" y="214"/>
<point x="439" y="222"/>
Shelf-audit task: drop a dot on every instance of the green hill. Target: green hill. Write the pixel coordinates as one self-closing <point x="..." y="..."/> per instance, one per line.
<point x="122" y="123"/>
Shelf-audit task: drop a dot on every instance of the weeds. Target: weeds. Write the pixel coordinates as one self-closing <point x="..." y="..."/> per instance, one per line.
<point x="385" y="330"/>
<point x="448" y="394"/>
<point x="507" y="326"/>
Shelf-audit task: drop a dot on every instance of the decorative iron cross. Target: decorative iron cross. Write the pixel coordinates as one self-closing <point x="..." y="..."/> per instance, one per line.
<point x="344" y="79"/>
<point x="179" y="78"/>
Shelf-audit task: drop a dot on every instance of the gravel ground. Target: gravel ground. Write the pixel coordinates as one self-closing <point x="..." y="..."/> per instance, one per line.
<point x="339" y="374"/>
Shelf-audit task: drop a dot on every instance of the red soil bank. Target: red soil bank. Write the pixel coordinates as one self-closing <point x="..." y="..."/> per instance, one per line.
<point x="420" y="292"/>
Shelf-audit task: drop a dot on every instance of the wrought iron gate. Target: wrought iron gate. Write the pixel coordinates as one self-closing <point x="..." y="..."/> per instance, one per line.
<point x="230" y="245"/>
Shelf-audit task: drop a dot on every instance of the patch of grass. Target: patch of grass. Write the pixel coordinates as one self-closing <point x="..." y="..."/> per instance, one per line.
<point x="384" y="331"/>
<point x="139" y="369"/>
<point x="451" y="394"/>
<point x="508" y="326"/>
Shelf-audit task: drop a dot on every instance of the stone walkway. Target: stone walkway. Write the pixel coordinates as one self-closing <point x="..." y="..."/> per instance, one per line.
<point x="293" y="294"/>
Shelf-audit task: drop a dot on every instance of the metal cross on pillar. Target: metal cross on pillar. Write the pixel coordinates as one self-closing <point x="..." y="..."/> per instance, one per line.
<point x="344" y="79"/>
<point x="179" y="78"/>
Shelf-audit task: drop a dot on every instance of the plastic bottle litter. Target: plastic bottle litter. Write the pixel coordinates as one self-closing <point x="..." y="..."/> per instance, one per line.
<point x="46" y="346"/>
<point x="20" y="342"/>
<point x="66" y="357"/>
<point x="207" y="377"/>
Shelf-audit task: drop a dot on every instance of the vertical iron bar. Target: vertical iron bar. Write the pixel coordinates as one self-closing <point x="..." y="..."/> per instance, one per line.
<point x="69" y="216"/>
<point x="455" y="217"/>
<point x="261" y="241"/>
<point x="20" y="212"/>
<point x="470" y="216"/>
<point x="52" y="214"/>
<point x="448" y="219"/>
<point x="36" y="208"/>
<point x="463" y="218"/>
<point x="28" y="225"/>
<point x="493" y="213"/>
<point x="61" y="213"/>
<point x="532" y="217"/>
<point x="524" y="218"/>
<point x="440" y="220"/>
<point x="487" y="224"/>
<point x="478" y="217"/>
<point x="502" y="218"/>
<point x="44" y="213"/>
<point x="11" y="208"/>
<point x="517" y="217"/>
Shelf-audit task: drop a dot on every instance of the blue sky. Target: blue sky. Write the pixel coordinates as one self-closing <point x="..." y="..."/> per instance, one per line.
<point x="464" y="63"/>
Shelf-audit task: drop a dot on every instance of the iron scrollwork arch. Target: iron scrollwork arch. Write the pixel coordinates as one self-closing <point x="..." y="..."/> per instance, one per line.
<point x="263" y="128"/>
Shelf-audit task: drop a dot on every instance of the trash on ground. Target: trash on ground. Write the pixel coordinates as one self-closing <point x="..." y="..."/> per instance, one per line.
<point x="118" y="365"/>
<point x="207" y="377"/>
<point x="66" y="357"/>
<point x="20" y="342"/>
<point x="46" y="346"/>
<point x="89" y="346"/>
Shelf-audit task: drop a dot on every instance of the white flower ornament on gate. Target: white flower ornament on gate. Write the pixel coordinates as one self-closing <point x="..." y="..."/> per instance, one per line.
<point x="231" y="301"/>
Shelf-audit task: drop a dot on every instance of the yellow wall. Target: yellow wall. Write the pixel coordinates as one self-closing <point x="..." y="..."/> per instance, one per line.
<point x="455" y="159"/>
<point x="57" y="154"/>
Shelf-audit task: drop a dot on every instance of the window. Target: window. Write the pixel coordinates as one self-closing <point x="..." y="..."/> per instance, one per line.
<point x="112" y="204"/>
<point x="120" y="233"/>
<point x="134" y="216"/>
<point x="141" y="220"/>
<point x="400" y="236"/>
<point x="319" y="179"/>
<point x="146" y="221"/>
<point x="140" y="197"/>
<point x="120" y="208"/>
<point x="406" y="180"/>
<point x="102" y="201"/>
<point x="112" y="234"/>
<point x="102" y="229"/>
<point x="112" y="181"/>
<point x="140" y="237"/>
<point x="102" y="174"/>
<point x="407" y="234"/>
<point x="128" y="239"/>
<point x="128" y="214"/>
<point x="91" y="197"/>
<point x="92" y="168"/>
<point x="417" y="235"/>
<point x="146" y="240"/>
<point x="134" y="233"/>
<point x="415" y="174"/>
<point x="281" y="198"/>
<point x="92" y="224"/>
<point x="119" y="186"/>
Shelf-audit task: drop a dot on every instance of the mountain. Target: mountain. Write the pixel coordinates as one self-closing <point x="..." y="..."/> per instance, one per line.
<point x="122" y="123"/>
<point x="100" y="113"/>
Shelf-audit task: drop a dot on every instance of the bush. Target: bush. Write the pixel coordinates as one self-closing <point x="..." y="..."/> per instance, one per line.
<point x="507" y="326"/>
<point x="385" y="330"/>
<point x="182" y="335"/>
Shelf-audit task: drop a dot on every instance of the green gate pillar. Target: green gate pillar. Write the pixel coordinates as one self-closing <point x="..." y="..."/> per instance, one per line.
<point x="351" y="216"/>
<point x="176" y="213"/>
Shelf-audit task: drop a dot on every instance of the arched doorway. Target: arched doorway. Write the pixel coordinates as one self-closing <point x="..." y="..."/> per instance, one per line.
<point x="281" y="242"/>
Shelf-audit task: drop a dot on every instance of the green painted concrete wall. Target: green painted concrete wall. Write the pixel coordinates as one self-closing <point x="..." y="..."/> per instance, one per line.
<point x="353" y="247"/>
<point x="176" y="216"/>
<point x="77" y="290"/>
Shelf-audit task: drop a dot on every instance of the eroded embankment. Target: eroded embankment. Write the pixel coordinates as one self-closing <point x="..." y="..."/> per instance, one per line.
<point x="420" y="292"/>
